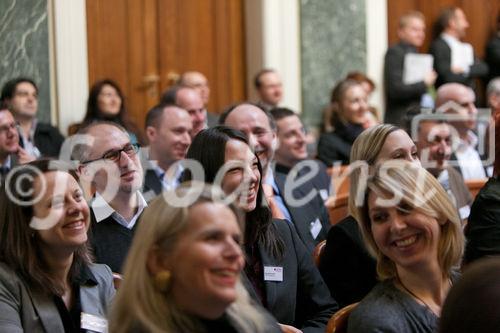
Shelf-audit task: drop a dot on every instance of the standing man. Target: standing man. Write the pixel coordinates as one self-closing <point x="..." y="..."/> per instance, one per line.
<point x="454" y="60"/>
<point x="110" y="163"/>
<point x="168" y="129"/>
<point x="269" y="88"/>
<point x="403" y="97"/>
<point x="38" y="139"/>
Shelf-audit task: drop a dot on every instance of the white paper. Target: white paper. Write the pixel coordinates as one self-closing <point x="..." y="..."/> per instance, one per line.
<point x="462" y="55"/>
<point x="273" y="273"/>
<point x="416" y="67"/>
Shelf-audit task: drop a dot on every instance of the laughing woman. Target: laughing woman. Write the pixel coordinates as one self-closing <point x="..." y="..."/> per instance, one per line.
<point x="410" y="225"/>
<point x="47" y="280"/>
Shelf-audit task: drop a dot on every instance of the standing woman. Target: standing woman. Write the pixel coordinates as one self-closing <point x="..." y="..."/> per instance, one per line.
<point x="343" y="122"/>
<point x="47" y="280"/>
<point x="411" y="226"/>
<point x="106" y="102"/>
<point x="279" y="272"/>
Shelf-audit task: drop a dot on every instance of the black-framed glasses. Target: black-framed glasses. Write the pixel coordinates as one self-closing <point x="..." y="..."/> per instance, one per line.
<point x="6" y="128"/>
<point x="114" y="155"/>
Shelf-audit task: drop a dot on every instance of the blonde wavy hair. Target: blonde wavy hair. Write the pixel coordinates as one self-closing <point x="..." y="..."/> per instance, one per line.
<point x="139" y="305"/>
<point x="414" y="185"/>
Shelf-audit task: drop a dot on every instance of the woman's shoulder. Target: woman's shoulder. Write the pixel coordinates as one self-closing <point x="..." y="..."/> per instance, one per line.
<point x="8" y="275"/>
<point x="101" y="272"/>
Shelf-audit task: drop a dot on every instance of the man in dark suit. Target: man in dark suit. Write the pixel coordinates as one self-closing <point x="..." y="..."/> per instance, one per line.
<point x="168" y="129"/>
<point x="306" y="190"/>
<point x="37" y="138"/>
<point x="454" y="61"/>
<point x="403" y="97"/>
<point x="110" y="163"/>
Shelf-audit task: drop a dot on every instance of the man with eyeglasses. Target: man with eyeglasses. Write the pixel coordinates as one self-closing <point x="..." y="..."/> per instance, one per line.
<point x="37" y="138"/>
<point x="10" y="151"/>
<point x="110" y="163"/>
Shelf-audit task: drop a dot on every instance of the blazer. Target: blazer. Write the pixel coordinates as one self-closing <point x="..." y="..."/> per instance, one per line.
<point x="302" y="298"/>
<point x="442" y="65"/>
<point x="345" y="264"/>
<point x="305" y="215"/>
<point x="47" y="139"/>
<point x="23" y="309"/>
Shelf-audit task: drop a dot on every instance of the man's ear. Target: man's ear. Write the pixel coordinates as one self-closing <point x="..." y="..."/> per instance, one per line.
<point x="151" y="133"/>
<point x="157" y="260"/>
<point x="275" y="142"/>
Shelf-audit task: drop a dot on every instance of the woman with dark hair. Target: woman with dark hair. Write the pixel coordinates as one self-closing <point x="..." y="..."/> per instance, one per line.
<point x="106" y="102"/>
<point x="344" y="120"/>
<point x="279" y="272"/>
<point x="47" y="280"/>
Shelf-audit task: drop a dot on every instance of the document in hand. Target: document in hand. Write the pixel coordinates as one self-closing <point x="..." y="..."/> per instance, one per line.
<point x="416" y="67"/>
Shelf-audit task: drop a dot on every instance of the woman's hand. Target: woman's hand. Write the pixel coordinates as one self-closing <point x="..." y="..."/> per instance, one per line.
<point x="289" y="329"/>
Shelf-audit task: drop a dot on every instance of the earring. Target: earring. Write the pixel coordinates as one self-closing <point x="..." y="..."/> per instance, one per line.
<point x="162" y="280"/>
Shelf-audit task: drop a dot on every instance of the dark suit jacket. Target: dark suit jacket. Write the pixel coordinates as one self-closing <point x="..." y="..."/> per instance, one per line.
<point x="400" y="97"/>
<point x="47" y="139"/>
<point x="152" y="185"/>
<point x="442" y="65"/>
<point x="483" y="228"/>
<point x="306" y="214"/>
<point x="458" y="188"/>
<point x="302" y="298"/>
<point x="346" y="266"/>
<point x="493" y="56"/>
<point x="23" y="309"/>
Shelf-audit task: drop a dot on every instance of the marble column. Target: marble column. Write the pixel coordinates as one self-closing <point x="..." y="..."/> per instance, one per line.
<point x="24" y="46"/>
<point x="333" y="43"/>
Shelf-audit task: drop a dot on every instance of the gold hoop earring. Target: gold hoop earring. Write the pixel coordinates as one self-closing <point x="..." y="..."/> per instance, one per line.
<point x="162" y="280"/>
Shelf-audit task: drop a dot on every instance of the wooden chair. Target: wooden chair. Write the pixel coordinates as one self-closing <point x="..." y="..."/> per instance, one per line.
<point x="474" y="185"/>
<point x="318" y="250"/>
<point x="337" y="207"/>
<point x="338" y="322"/>
<point x="117" y="280"/>
<point x="339" y="180"/>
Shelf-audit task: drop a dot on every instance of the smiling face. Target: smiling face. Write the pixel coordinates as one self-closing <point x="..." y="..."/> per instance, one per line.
<point x="9" y="137"/>
<point x="413" y="32"/>
<point x="434" y="145"/>
<point x="67" y="204"/>
<point x="292" y="141"/>
<point x="242" y="171"/>
<point x="398" y="146"/>
<point x="109" y="101"/>
<point x="207" y="261"/>
<point x="406" y="236"/>
<point x="354" y="105"/>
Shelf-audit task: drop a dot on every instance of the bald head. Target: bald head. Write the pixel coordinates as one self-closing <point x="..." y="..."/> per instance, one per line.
<point x="463" y="99"/>
<point x="198" y="81"/>
<point x="454" y="92"/>
<point x="190" y="100"/>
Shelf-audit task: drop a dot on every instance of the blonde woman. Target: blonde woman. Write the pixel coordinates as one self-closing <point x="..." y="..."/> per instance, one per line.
<point x="182" y="272"/>
<point x="412" y="228"/>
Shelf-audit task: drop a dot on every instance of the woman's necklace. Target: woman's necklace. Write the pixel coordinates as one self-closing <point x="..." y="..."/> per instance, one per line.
<point x="437" y="312"/>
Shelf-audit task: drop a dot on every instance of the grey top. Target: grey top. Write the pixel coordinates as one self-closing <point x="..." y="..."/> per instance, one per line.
<point x="389" y="310"/>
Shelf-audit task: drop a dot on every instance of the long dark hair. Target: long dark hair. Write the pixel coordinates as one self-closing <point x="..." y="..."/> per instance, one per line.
<point x="95" y="114"/>
<point x="19" y="245"/>
<point x="208" y="148"/>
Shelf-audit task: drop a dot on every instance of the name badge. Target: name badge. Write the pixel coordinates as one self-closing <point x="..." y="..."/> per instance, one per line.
<point x="93" y="323"/>
<point x="272" y="273"/>
<point x="323" y="194"/>
<point x="315" y="228"/>
<point x="464" y="212"/>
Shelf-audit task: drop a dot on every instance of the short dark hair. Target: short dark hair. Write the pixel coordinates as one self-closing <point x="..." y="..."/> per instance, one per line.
<point x="155" y="114"/>
<point x="20" y="247"/>
<point x="227" y="111"/>
<point x="280" y="113"/>
<point x="170" y="95"/>
<point x="256" y="80"/>
<point x="10" y="86"/>
<point x="443" y="20"/>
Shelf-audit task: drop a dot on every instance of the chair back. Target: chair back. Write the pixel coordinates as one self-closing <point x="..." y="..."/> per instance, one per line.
<point x="318" y="251"/>
<point x="338" y="322"/>
<point x="474" y="185"/>
<point x="338" y="208"/>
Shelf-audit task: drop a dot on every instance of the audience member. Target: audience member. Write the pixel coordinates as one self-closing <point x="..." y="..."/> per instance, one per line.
<point x="109" y="161"/>
<point x="106" y="102"/>
<point x="373" y="117"/>
<point x="493" y="97"/>
<point x="471" y="304"/>
<point x="310" y="218"/>
<point x="466" y="153"/>
<point x="493" y="52"/>
<point x="168" y="129"/>
<point x="344" y="246"/>
<point x="402" y="97"/>
<point x="11" y="153"/>
<point x="280" y="273"/>
<point x="268" y="85"/>
<point x="199" y="82"/>
<point x="183" y="271"/>
<point x="48" y="282"/>
<point x="190" y="100"/>
<point x="37" y="138"/>
<point x="483" y="227"/>
<point x="454" y="60"/>
<point x="348" y="108"/>
<point x="434" y="147"/>
<point x="409" y="223"/>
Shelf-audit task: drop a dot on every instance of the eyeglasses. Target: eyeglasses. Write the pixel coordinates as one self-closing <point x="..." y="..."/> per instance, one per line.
<point x="6" y="128"/>
<point x="114" y="156"/>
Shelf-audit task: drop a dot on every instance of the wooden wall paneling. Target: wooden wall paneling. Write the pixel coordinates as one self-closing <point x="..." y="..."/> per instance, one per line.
<point x="168" y="23"/>
<point x="237" y="51"/>
<point x="222" y="80"/>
